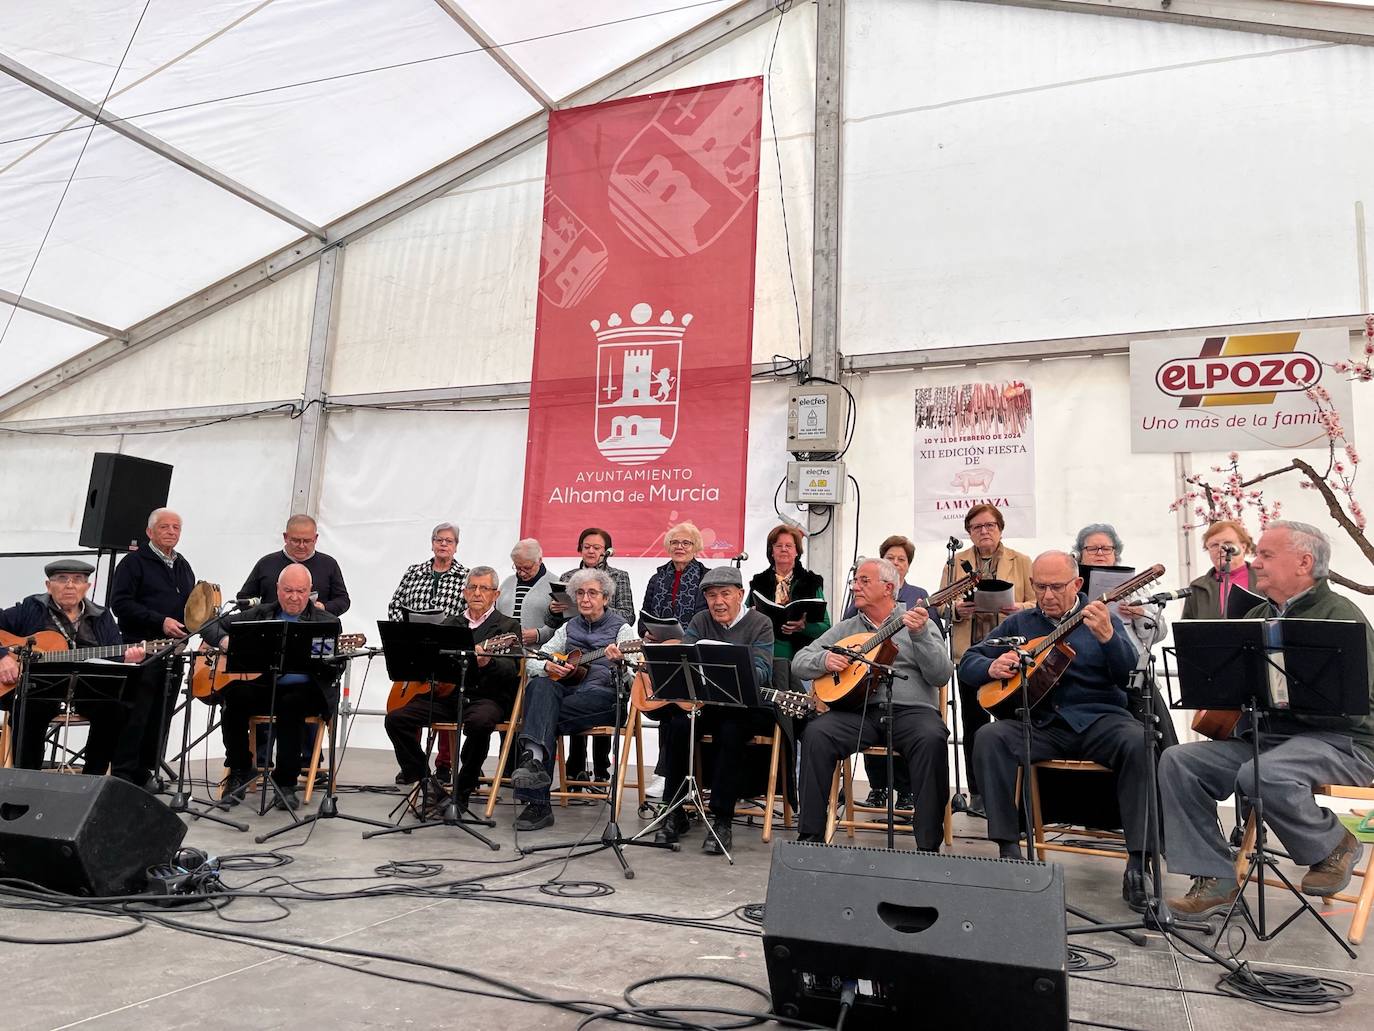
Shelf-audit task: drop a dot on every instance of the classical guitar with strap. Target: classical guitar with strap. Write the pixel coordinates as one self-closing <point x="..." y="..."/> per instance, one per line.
<point x="1051" y="655"/>
<point x="210" y="676"/>
<point x="843" y="689"/>
<point x="51" y="646"/>
<point x="403" y="691"/>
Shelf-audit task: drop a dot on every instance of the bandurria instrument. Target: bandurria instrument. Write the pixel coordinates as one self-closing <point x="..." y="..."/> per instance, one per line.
<point x="841" y="690"/>
<point x="1050" y="656"/>
<point x="579" y="660"/>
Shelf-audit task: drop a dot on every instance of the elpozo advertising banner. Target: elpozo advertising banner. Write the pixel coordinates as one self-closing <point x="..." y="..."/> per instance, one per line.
<point x="975" y="444"/>
<point x="1244" y="392"/>
<point x="639" y="400"/>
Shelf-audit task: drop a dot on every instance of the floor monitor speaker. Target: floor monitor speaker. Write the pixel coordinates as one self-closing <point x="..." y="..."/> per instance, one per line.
<point x="918" y="939"/>
<point x="82" y="835"/>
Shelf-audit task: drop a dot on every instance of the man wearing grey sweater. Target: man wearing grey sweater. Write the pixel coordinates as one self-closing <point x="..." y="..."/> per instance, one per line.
<point x="918" y="729"/>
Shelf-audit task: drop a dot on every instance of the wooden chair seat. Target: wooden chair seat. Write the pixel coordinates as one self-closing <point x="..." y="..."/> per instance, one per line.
<point x="749" y="807"/>
<point x="1040" y="844"/>
<point x="630" y="734"/>
<point x="321" y="732"/>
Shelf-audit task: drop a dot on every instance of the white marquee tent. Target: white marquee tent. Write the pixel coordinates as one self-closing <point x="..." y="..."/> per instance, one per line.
<point x="290" y="246"/>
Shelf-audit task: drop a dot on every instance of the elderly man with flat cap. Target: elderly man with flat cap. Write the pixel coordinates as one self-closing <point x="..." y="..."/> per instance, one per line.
<point x="724" y="619"/>
<point x="83" y="624"/>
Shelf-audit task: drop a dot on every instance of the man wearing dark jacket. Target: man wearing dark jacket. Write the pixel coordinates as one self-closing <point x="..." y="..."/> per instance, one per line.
<point x="298" y="695"/>
<point x="488" y="700"/>
<point x="1085" y="716"/>
<point x="83" y="624"/>
<point x="298" y="546"/>
<point x="148" y="595"/>
<point x="1292" y="562"/>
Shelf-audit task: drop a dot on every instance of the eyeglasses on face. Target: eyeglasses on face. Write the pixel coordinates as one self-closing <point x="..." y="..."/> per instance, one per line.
<point x="483" y="588"/>
<point x="678" y="542"/>
<point x="982" y="527"/>
<point x="443" y="540"/>
<point x="1049" y="588"/>
<point x="302" y="540"/>
<point x="70" y="579"/>
<point x="1099" y="549"/>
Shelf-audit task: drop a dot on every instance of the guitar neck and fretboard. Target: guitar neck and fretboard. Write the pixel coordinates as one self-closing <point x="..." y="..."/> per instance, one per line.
<point x="893" y="623"/>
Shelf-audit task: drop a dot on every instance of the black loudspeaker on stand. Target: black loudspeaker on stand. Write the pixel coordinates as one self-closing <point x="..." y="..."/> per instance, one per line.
<point x="914" y="939"/>
<point x="122" y="492"/>
<point x="82" y="835"/>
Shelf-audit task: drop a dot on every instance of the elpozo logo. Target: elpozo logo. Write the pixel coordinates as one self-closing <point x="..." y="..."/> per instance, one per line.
<point x="1253" y="369"/>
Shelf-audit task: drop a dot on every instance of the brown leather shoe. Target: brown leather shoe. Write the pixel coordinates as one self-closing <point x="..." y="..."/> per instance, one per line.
<point x="1207" y="897"/>
<point x="1332" y="874"/>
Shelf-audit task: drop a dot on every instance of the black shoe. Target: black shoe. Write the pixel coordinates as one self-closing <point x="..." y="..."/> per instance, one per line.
<point x="1133" y="890"/>
<point x="535" y="817"/>
<point x="236" y="784"/>
<point x="672" y="828"/>
<point x="530" y="775"/>
<point x="403" y="778"/>
<point x="719" y="843"/>
<point x="815" y="839"/>
<point x="287" y="799"/>
<point x="602" y="775"/>
<point x="877" y="799"/>
<point x="906" y="801"/>
<point x="432" y="800"/>
<point x="975" y="807"/>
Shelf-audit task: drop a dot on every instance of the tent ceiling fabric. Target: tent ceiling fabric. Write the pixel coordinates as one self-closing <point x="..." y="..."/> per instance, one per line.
<point x="317" y="105"/>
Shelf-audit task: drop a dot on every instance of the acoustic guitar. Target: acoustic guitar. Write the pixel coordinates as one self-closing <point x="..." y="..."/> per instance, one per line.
<point x="1217" y="724"/>
<point x="50" y="646"/>
<point x="791" y="703"/>
<point x="1050" y="656"/>
<point x="403" y="691"/>
<point x="851" y="686"/>
<point x="210" y="675"/>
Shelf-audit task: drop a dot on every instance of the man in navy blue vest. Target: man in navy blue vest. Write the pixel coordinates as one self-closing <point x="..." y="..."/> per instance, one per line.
<point x="552" y="706"/>
<point x="1085" y="716"/>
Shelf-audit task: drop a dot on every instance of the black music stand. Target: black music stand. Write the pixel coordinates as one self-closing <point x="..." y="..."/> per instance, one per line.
<point x="1272" y="667"/>
<point x="59" y="680"/>
<point x="437" y="653"/>
<point x="701" y="674"/>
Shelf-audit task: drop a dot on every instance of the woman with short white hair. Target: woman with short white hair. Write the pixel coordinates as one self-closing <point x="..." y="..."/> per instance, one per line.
<point x="525" y="594"/>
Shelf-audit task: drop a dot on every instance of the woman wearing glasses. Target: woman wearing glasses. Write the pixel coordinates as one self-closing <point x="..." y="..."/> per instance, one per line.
<point x="434" y="584"/>
<point x="1098" y="544"/>
<point x="525" y="595"/>
<point x="674" y="591"/>
<point x="991" y="560"/>
<point x="1227" y="544"/>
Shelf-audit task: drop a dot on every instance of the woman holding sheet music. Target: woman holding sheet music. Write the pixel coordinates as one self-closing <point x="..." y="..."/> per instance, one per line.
<point x="1227" y="544"/>
<point x="1098" y="544"/>
<point x="783" y="583"/>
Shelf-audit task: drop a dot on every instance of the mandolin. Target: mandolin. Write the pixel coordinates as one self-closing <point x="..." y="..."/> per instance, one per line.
<point x="403" y="691"/>
<point x="209" y="675"/>
<point x="580" y="660"/>
<point x="842" y="689"/>
<point x="1050" y="656"/>
<point x="791" y="703"/>
<point x="51" y="646"/>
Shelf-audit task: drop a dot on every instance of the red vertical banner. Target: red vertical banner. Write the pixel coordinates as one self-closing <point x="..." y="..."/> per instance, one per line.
<point x="639" y="397"/>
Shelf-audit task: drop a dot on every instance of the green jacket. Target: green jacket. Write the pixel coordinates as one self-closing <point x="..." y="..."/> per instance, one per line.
<point x="1322" y="603"/>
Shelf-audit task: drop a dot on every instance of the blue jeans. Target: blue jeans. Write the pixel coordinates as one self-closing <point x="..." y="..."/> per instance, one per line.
<point x="553" y="709"/>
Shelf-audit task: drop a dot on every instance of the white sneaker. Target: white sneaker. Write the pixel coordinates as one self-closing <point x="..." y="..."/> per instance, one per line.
<point x="655" y="788"/>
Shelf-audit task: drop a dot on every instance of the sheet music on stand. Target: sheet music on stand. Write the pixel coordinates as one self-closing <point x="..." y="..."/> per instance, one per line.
<point x="708" y="673"/>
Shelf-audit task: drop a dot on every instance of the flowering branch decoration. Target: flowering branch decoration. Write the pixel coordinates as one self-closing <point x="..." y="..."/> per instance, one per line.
<point x="1237" y="496"/>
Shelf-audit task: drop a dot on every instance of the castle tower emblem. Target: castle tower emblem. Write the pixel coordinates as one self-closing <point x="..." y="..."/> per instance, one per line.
<point x="638" y="373"/>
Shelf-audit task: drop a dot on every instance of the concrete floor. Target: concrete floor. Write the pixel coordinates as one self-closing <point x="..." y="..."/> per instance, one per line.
<point x="163" y="978"/>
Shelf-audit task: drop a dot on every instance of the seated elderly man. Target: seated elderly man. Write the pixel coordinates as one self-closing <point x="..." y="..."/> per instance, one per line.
<point x="918" y="729"/>
<point x="726" y="620"/>
<point x="83" y="624"/>
<point x="554" y="707"/>
<point x="1084" y="717"/>
<point x="1298" y="752"/>
<point x="298" y="695"/>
